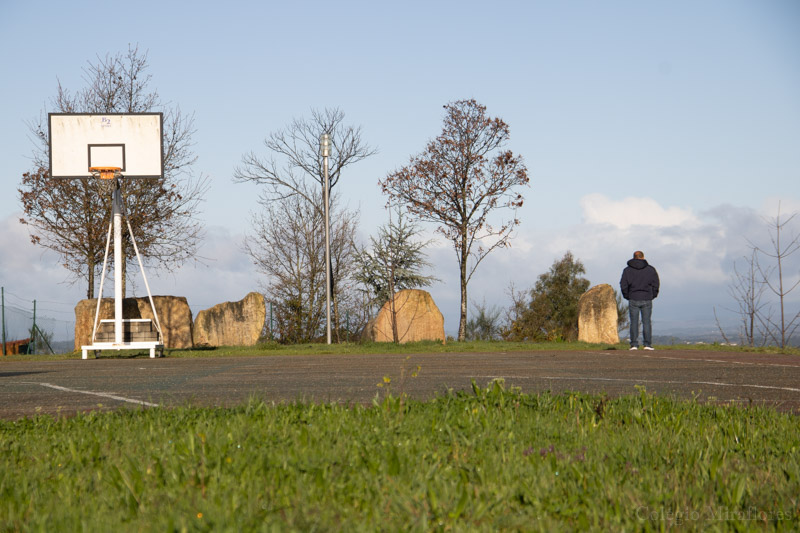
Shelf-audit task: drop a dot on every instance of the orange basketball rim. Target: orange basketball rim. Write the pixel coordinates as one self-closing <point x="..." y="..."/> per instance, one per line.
<point x="105" y="173"/>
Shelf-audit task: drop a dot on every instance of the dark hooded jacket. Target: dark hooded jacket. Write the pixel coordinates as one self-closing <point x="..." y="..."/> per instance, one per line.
<point x="639" y="281"/>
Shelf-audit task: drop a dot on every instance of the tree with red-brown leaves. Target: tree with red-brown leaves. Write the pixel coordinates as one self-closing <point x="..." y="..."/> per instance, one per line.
<point x="464" y="176"/>
<point x="71" y="216"/>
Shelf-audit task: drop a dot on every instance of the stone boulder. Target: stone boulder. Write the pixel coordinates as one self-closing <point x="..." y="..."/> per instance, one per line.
<point x="173" y="314"/>
<point x="231" y="323"/>
<point x="597" y="316"/>
<point x="418" y="319"/>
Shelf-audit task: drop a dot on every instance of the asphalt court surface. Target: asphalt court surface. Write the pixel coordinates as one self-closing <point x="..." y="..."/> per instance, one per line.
<point x="66" y="387"/>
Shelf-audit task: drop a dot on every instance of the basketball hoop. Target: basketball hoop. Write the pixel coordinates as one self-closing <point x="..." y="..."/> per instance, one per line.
<point x="105" y="144"/>
<point x="105" y="173"/>
<point x="106" y="178"/>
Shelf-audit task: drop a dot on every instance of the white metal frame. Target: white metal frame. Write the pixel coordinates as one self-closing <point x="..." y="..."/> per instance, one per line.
<point x="119" y="343"/>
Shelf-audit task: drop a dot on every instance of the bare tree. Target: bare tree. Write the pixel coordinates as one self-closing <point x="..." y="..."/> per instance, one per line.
<point x="287" y="246"/>
<point x="766" y="271"/>
<point x="350" y="307"/>
<point x="775" y="277"/>
<point x="294" y="157"/>
<point x="293" y="169"/>
<point x="462" y="178"/>
<point x="514" y="313"/>
<point x="71" y="217"/>
<point x="747" y="291"/>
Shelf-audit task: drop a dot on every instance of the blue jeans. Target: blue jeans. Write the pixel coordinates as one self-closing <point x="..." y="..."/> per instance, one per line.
<point x="645" y="307"/>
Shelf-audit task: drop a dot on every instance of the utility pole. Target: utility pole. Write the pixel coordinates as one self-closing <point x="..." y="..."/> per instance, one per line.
<point x="3" y="305"/>
<point x="325" y="146"/>
<point x="32" y="345"/>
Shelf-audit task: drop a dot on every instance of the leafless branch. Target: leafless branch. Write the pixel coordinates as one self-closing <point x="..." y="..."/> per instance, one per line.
<point x="294" y="157"/>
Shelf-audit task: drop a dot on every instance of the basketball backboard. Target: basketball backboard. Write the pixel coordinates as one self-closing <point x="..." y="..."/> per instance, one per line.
<point x="130" y="141"/>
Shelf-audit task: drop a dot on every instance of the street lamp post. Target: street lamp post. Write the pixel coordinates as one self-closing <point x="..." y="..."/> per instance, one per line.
<point x="325" y="147"/>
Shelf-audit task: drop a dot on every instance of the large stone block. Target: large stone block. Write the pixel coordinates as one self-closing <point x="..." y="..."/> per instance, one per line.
<point x="597" y="316"/>
<point x="231" y="323"/>
<point x="418" y="319"/>
<point x="173" y="314"/>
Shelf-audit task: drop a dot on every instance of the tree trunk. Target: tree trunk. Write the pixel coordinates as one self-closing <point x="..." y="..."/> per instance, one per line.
<point x="751" y="310"/>
<point x="392" y="306"/>
<point x="337" y="326"/>
<point x="781" y="294"/>
<point x="90" y="287"/>
<point x="462" y="321"/>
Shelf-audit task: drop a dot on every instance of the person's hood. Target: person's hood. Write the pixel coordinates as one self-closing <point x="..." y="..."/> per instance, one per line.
<point x="638" y="264"/>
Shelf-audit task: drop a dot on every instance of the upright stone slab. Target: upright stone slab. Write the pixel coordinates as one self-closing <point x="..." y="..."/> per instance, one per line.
<point x="173" y="313"/>
<point x="231" y="323"/>
<point x="175" y="316"/>
<point x="418" y="319"/>
<point x="597" y="316"/>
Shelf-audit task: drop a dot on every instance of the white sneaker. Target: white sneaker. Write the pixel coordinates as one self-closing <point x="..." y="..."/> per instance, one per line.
<point x="634" y="348"/>
<point x="649" y="348"/>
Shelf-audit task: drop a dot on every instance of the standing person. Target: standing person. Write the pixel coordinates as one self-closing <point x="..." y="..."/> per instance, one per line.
<point x="639" y="285"/>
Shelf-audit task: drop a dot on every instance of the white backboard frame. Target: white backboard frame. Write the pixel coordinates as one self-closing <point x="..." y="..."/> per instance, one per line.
<point x="130" y="141"/>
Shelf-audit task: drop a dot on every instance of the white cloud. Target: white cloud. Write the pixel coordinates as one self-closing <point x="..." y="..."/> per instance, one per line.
<point x="630" y="212"/>
<point x="693" y="252"/>
<point x="27" y="269"/>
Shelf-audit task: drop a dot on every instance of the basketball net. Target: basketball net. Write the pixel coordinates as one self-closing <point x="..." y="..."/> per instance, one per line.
<point x="106" y="176"/>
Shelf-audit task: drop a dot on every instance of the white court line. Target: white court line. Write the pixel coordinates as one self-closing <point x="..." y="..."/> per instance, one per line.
<point x="701" y="360"/>
<point x="670" y="382"/>
<point x="101" y="394"/>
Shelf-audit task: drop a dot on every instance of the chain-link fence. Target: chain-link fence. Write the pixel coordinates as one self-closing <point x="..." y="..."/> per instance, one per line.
<point x="35" y="326"/>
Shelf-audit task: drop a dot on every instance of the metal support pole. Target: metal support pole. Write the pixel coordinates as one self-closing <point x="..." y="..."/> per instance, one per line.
<point x="146" y="285"/>
<point x="118" y="338"/>
<point x="3" y="305"/>
<point x="325" y="143"/>
<point x="102" y="281"/>
<point x="32" y="345"/>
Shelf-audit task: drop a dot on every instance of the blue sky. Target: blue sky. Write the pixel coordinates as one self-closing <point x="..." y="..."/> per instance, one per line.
<point x="671" y="127"/>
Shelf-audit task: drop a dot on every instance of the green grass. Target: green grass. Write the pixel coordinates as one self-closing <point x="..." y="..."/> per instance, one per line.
<point x="490" y="460"/>
<point x="353" y="348"/>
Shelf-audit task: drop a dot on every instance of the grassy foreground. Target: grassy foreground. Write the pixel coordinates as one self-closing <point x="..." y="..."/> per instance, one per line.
<point x="494" y="459"/>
